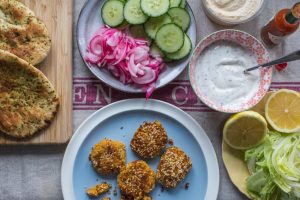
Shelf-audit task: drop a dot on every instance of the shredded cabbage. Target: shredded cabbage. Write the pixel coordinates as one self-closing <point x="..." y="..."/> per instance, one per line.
<point x="275" y="168"/>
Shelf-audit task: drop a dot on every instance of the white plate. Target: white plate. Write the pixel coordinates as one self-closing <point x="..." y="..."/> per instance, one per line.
<point x="90" y="20"/>
<point x="77" y="172"/>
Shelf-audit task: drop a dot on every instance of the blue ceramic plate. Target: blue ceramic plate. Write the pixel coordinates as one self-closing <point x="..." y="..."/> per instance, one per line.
<point x="90" y="20"/>
<point x="118" y="121"/>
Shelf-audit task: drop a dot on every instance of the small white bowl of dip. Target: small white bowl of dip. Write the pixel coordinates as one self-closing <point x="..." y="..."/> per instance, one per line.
<point x="216" y="71"/>
<point x="232" y="12"/>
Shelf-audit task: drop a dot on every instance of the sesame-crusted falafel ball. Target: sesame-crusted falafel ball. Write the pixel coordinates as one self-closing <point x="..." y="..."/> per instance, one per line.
<point x="136" y="180"/>
<point x="145" y="197"/>
<point x="108" y="157"/>
<point x="149" y="139"/>
<point x="173" y="167"/>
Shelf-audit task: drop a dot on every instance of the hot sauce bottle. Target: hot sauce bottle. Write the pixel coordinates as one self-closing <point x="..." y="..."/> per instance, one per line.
<point x="284" y="23"/>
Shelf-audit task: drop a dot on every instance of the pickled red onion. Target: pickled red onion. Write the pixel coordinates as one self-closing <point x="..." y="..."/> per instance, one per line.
<point x="127" y="58"/>
<point x="96" y="45"/>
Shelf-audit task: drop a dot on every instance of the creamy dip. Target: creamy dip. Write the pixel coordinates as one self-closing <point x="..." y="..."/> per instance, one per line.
<point x="220" y="74"/>
<point x="232" y="11"/>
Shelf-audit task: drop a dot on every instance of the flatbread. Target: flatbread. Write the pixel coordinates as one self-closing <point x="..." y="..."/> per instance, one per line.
<point x="236" y="167"/>
<point x="22" y="33"/>
<point x="28" y="101"/>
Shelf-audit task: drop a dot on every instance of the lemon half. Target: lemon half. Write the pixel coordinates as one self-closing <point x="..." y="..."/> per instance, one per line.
<point x="283" y="111"/>
<point x="245" y="130"/>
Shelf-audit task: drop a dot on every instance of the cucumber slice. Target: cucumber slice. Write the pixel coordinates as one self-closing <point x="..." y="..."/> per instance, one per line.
<point x="167" y="60"/>
<point x="154" y="23"/>
<point x="155" y="51"/>
<point x="180" y="17"/>
<point x="155" y="8"/>
<point x="137" y="31"/>
<point x="175" y="3"/>
<point x="123" y="26"/>
<point x="112" y="13"/>
<point x="133" y="13"/>
<point x="182" y="4"/>
<point x="169" y="38"/>
<point x="183" y="51"/>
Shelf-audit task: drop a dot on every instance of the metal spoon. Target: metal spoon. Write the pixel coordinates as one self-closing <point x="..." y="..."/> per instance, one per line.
<point x="288" y="58"/>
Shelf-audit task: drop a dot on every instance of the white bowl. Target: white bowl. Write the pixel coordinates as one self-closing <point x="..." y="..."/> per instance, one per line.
<point x="222" y="21"/>
<point x="247" y="41"/>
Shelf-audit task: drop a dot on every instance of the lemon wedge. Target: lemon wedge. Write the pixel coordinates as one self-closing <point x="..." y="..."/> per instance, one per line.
<point x="283" y="111"/>
<point x="245" y="130"/>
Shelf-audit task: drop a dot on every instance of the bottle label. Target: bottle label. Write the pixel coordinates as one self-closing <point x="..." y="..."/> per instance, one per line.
<point x="275" y="39"/>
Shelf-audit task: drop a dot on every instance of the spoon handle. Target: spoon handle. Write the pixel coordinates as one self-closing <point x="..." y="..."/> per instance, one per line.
<point x="288" y="58"/>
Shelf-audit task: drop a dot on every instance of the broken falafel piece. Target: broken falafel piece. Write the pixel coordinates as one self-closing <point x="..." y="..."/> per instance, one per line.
<point x="98" y="189"/>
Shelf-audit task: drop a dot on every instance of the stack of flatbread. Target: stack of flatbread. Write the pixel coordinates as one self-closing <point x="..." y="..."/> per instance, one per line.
<point x="28" y="101"/>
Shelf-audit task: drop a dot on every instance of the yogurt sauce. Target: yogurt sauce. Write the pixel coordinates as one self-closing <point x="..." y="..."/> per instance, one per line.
<point x="233" y="11"/>
<point x="220" y="74"/>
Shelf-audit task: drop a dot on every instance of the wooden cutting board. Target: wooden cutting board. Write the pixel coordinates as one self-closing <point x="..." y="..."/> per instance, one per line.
<point x="58" y="17"/>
